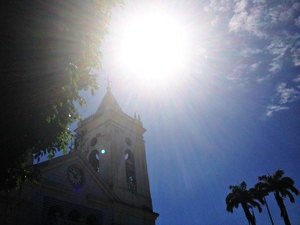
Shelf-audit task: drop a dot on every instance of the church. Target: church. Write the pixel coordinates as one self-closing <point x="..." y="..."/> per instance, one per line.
<point x="102" y="181"/>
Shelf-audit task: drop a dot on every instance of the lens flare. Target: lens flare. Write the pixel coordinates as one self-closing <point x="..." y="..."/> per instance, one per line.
<point x="153" y="46"/>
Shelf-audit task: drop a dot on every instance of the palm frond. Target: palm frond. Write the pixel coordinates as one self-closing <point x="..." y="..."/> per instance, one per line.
<point x="289" y="194"/>
<point x="256" y="204"/>
<point x="292" y="188"/>
<point x="288" y="180"/>
<point x="278" y="174"/>
<point x="263" y="178"/>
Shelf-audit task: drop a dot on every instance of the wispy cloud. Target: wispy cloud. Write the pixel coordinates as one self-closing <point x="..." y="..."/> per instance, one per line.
<point x="287" y="94"/>
<point x="295" y="50"/>
<point x="247" y="18"/>
<point x="297" y="21"/>
<point x="248" y="52"/>
<point x="266" y="35"/>
<point x="260" y="18"/>
<point x="219" y="5"/>
<point x="297" y="79"/>
<point x="254" y="66"/>
<point x="271" y="109"/>
<point x="284" y="96"/>
<point x="243" y="72"/>
<point x="278" y="49"/>
<point x="286" y="47"/>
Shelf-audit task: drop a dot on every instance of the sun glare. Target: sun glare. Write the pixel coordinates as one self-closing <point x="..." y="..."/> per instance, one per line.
<point x="153" y="46"/>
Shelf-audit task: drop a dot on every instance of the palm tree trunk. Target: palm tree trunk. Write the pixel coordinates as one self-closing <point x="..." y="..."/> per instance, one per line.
<point x="253" y="215"/>
<point x="283" y="210"/>
<point x="248" y="214"/>
<point x="269" y="212"/>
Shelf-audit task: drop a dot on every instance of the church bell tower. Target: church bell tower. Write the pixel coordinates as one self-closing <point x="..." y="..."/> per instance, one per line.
<point x="103" y="181"/>
<point x="113" y="145"/>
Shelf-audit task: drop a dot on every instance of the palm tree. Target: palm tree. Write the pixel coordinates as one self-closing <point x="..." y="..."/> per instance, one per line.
<point x="240" y="195"/>
<point x="262" y="194"/>
<point x="282" y="187"/>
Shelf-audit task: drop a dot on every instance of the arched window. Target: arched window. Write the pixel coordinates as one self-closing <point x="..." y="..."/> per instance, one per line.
<point x="91" y="220"/>
<point x="94" y="160"/>
<point x="128" y="141"/>
<point x="74" y="215"/>
<point x="55" y="215"/>
<point x="130" y="170"/>
<point x="93" y="141"/>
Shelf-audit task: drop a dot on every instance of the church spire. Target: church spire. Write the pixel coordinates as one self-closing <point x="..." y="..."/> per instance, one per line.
<point x="109" y="101"/>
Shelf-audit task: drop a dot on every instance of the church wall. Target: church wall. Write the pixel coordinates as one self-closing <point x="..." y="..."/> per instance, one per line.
<point x="115" y="186"/>
<point x="39" y="199"/>
<point x="58" y="177"/>
<point x="142" y="196"/>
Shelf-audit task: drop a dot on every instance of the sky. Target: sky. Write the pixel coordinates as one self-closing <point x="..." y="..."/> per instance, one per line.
<point x="230" y="115"/>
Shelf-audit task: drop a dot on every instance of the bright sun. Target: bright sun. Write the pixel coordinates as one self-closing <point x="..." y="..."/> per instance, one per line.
<point x="153" y="46"/>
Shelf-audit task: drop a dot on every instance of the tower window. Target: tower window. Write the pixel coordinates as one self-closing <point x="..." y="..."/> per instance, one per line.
<point x="92" y="220"/>
<point x="128" y="141"/>
<point x="130" y="170"/>
<point x="55" y="214"/>
<point x="93" y="141"/>
<point x="94" y="160"/>
<point x="74" y="215"/>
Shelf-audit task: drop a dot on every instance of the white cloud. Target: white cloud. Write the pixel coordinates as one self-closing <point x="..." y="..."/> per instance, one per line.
<point x="241" y="6"/>
<point x="297" y="79"/>
<point x="271" y="109"/>
<point x="215" y="21"/>
<point x="249" y="20"/>
<point x="243" y="72"/>
<point x="287" y="95"/>
<point x="275" y="66"/>
<point x="282" y="13"/>
<point x="264" y="78"/>
<point x="295" y="50"/>
<point x="254" y="66"/>
<point x="297" y="21"/>
<point x="296" y="6"/>
<point x="284" y="96"/>
<point x="278" y="47"/>
<point x="259" y="1"/>
<point x="260" y="17"/>
<point x="283" y="48"/>
<point x="239" y="73"/>
<point x="219" y="5"/>
<point x="296" y="57"/>
<point x="274" y="27"/>
<point x="248" y="52"/>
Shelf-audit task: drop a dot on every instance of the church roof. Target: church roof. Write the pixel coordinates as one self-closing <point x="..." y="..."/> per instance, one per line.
<point x="109" y="102"/>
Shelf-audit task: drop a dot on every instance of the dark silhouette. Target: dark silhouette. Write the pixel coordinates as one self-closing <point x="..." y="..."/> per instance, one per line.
<point x="240" y="195"/>
<point x="268" y="210"/>
<point x="48" y="49"/>
<point x="262" y="195"/>
<point x="282" y="187"/>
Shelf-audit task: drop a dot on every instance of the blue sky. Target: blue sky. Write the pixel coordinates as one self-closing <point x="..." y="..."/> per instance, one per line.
<point x="233" y="116"/>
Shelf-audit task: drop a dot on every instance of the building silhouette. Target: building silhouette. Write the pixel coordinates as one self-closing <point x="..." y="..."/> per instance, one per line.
<point x="102" y="181"/>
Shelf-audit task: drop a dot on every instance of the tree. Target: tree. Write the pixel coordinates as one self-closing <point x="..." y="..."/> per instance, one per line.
<point x="282" y="187"/>
<point x="240" y="195"/>
<point x="263" y="193"/>
<point x="48" y="50"/>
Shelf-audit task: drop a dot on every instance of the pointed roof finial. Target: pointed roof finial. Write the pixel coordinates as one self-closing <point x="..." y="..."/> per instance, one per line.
<point x="108" y="101"/>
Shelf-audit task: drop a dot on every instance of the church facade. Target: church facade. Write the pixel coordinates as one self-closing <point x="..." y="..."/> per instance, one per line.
<point x="102" y="181"/>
